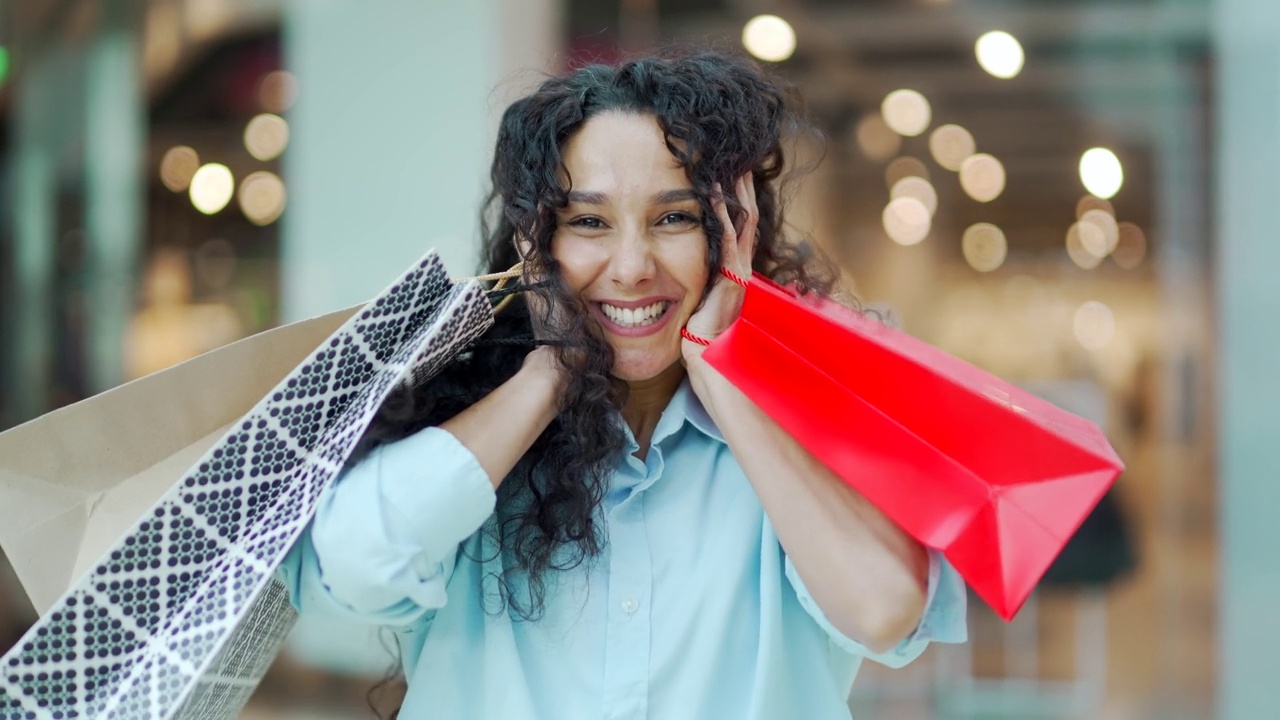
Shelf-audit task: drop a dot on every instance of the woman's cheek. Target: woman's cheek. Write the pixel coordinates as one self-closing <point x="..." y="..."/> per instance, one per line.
<point x="697" y="250"/>
<point x="577" y="257"/>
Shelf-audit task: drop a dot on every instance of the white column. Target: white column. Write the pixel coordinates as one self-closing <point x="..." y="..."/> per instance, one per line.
<point x="34" y="190"/>
<point x="114" y="133"/>
<point x="392" y="135"/>
<point x="1248" y="177"/>
<point x="391" y="139"/>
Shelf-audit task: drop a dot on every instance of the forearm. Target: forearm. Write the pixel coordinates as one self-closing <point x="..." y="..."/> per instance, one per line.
<point x="868" y="576"/>
<point x="385" y="534"/>
<point x="500" y="428"/>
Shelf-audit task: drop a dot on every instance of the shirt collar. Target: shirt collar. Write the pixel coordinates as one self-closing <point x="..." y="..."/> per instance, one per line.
<point x="685" y="407"/>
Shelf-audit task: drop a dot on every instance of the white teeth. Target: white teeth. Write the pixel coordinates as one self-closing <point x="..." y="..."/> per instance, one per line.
<point x="638" y="317"/>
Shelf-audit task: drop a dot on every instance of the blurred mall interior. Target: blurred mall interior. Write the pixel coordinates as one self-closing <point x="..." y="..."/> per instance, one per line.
<point x="1077" y="195"/>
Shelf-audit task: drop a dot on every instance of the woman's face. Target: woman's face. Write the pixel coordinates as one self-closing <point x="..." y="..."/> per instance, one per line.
<point x="631" y="240"/>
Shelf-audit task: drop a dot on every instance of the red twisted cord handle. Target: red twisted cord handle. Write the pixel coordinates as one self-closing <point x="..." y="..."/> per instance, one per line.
<point x="684" y="332"/>
<point x="732" y="276"/>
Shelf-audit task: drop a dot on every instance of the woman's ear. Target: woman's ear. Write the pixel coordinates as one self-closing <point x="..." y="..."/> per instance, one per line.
<point x="523" y="246"/>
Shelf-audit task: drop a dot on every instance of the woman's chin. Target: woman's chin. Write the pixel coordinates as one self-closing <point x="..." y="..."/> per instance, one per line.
<point x="642" y="369"/>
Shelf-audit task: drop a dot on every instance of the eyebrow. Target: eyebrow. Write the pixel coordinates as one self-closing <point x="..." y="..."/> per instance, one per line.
<point x="666" y="197"/>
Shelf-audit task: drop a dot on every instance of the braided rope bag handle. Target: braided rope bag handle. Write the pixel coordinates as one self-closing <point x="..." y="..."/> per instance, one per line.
<point x="684" y="331"/>
<point x="503" y="293"/>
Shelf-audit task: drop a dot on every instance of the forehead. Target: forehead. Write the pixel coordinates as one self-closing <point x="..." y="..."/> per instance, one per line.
<point x="617" y="152"/>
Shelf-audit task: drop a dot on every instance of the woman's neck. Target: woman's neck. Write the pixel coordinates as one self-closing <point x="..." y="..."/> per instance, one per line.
<point x="646" y="401"/>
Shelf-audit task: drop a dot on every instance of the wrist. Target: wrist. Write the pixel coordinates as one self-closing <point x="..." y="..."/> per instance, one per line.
<point x="691" y="350"/>
<point x="702" y="376"/>
<point x="542" y="376"/>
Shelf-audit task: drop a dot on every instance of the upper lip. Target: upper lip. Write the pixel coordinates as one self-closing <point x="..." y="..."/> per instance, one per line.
<point x="635" y="304"/>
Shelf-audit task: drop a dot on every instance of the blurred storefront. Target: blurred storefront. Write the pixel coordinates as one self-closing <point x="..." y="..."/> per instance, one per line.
<point x="1069" y="194"/>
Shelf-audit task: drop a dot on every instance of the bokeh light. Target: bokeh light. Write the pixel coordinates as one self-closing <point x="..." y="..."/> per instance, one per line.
<point x="769" y="38"/>
<point x="1092" y="202"/>
<point x="875" y="138"/>
<point x="984" y="246"/>
<point x="262" y="197"/>
<point x="1131" y="247"/>
<point x="266" y="136"/>
<point x="211" y="188"/>
<point x="951" y="145"/>
<point x="907" y="112"/>
<point x="277" y="91"/>
<point x="906" y="221"/>
<point x="1085" y="242"/>
<point x="1106" y="223"/>
<point x="904" y="167"/>
<point x="178" y="166"/>
<point x="1000" y="54"/>
<point x="1094" y="325"/>
<point x="918" y="188"/>
<point x="1101" y="172"/>
<point x="982" y="177"/>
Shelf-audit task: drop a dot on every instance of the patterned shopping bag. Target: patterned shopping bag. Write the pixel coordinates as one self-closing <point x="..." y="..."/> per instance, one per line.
<point x="181" y="615"/>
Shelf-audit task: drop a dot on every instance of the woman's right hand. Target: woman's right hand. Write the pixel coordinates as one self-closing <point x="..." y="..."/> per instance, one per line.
<point x="501" y="427"/>
<point x="537" y="300"/>
<point x="543" y="360"/>
<point x="542" y="363"/>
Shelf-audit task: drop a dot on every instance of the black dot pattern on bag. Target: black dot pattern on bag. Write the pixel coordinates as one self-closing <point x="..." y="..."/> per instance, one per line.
<point x="182" y="616"/>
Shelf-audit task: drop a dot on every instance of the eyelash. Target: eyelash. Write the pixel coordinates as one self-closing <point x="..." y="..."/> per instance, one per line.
<point x="682" y="217"/>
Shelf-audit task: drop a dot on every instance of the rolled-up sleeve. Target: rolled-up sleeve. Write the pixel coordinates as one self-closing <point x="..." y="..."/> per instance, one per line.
<point x="384" y="539"/>
<point x="943" y="619"/>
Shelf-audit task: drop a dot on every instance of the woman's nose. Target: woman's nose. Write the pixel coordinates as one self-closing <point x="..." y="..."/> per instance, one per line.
<point x="632" y="262"/>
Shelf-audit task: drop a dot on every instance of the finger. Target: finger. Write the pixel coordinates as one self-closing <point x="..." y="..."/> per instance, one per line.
<point x="721" y="208"/>
<point x="746" y="202"/>
<point x="747" y="235"/>
<point x="729" y="239"/>
<point x="740" y="194"/>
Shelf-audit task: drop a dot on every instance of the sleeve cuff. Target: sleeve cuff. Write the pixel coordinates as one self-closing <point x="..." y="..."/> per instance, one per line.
<point x="439" y="495"/>
<point x="387" y="532"/>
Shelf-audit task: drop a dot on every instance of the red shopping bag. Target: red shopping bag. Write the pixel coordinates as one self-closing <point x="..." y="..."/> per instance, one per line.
<point x="990" y="475"/>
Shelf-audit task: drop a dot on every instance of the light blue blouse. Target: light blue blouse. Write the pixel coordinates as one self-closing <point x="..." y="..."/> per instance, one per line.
<point x="691" y="611"/>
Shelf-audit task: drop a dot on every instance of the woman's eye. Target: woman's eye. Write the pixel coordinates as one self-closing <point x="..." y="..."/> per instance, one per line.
<point x="589" y="223"/>
<point x="676" y="218"/>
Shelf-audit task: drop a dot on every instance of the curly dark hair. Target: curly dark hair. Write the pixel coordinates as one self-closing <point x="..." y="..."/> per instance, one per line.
<point x="721" y="116"/>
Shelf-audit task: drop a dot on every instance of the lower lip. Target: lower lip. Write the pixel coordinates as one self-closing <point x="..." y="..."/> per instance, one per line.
<point x="637" y="331"/>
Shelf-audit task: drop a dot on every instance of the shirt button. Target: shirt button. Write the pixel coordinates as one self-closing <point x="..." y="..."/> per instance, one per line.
<point x="630" y="605"/>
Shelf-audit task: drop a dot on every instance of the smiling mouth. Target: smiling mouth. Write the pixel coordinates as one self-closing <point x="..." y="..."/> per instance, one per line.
<point x="638" y="317"/>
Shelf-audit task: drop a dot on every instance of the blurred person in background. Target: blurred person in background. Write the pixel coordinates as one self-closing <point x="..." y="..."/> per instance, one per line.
<point x="604" y="526"/>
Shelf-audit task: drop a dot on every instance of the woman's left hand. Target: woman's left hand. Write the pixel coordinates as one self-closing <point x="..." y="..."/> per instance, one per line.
<point x="724" y="303"/>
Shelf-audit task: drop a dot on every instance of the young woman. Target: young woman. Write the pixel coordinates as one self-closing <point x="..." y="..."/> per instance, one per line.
<point x="604" y="527"/>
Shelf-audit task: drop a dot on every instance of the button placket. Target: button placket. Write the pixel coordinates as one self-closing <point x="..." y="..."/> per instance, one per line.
<point x="628" y="629"/>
